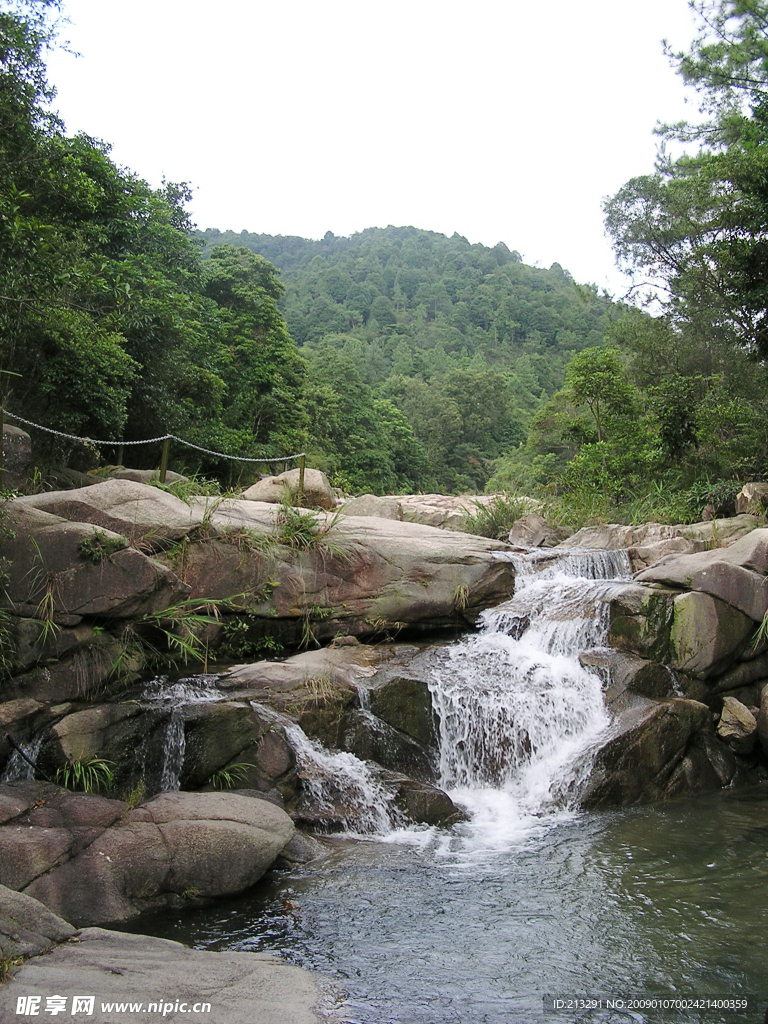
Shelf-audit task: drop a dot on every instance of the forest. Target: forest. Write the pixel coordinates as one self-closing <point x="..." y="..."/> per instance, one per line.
<point x="401" y="359"/>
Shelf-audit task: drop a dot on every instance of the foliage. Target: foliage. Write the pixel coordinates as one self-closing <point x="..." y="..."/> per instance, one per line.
<point x="99" y="546"/>
<point x="306" y="529"/>
<point x="88" y="774"/>
<point x="495" y="518"/>
<point x="231" y="775"/>
<point x="692" y="234"/>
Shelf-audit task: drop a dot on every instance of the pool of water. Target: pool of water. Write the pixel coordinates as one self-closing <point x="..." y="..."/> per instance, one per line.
<point x="477" y="925"/>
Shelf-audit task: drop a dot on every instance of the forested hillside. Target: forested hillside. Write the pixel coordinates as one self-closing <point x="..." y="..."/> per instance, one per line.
<point x="464" y="340"/>
<point x="400" y="359"/>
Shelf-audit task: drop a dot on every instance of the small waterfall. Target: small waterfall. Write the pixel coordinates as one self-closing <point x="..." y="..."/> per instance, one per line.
<point x="17" y="768"/>
<point x="519" y="714"/>
<point x="174" y="744"/>
<point x="160" y="693"/>
<point x="342" y="787"/>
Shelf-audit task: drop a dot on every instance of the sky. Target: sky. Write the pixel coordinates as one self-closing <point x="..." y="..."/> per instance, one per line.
<point x="502" y="121"/>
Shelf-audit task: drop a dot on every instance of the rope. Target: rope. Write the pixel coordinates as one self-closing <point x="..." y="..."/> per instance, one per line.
<point x="151" y="440"/>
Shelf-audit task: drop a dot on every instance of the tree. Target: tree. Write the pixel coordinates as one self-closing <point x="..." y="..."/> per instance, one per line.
<point x="595" y="378"/>
<point x="693" y="234"/>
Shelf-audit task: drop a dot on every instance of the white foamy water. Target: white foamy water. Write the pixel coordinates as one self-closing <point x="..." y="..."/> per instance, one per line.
<point x="17" y="768"/>
<point x="342" y="788"/>
<point x="519" y="715"/>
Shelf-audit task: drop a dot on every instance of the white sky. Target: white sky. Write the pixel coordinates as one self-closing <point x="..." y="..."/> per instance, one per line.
<point x="505" y="120"/>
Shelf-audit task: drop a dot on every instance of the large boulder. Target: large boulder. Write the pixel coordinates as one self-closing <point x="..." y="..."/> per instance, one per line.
<point x="54" y="577"/>
<point x="144" y="515"/>
<point x="657" y="749"/>
<point x="317" y="492"/>
<point x="706" y="634"/>
<point x="735" y="574"/>
<point x="175" y="847"/>
<point x="752" y="498"/>
<point x="27" y="927"/>
<point x="533" y="531"/>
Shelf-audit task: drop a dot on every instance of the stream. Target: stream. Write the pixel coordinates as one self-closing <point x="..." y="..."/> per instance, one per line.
<point x="530" y="897"/>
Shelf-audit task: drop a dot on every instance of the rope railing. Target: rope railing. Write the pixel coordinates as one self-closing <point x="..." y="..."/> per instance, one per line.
<point x="166" y="441"/>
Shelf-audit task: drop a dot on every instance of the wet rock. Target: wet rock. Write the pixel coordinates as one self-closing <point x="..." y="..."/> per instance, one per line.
<point x="427" y="804"/>
<point x="737" y="727"/>
<point x="624" y="673"/>
<point x="406" y="704"/>
<point x="649" y="740"/>
<point x="372" y="739"/>
<point x="762" y="722"/>
<point x="640" y="621"/>
<point x="706" y="634"/>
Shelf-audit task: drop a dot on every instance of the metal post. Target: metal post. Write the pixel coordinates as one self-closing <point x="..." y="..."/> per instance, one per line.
<point x="164" y="459"/>
<point x="302" y="464"/>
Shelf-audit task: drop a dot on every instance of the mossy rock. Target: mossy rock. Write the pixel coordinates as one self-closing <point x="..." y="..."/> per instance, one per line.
<point x="406" y="704"/>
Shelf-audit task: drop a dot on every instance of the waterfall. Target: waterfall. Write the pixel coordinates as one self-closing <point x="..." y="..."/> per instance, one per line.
<point x="174" y="744"/>
<point x="341" y="787"/>
<point x="16" y="767"/>
<point x="160" y="693"/>
<point x="519" y="715"/>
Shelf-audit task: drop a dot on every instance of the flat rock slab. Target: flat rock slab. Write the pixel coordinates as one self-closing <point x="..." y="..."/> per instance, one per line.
<point x="242" y="988"/>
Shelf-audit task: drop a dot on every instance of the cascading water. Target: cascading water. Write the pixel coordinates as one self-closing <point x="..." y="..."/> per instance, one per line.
<point x="17" y="768"/>
<point x="519" y="714"/>
<point x="341" y="787"/>
<point x="160" y="693"/>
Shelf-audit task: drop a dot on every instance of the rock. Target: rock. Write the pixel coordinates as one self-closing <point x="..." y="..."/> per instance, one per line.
<point x="173" y="847"/>
<point x="752" y="498"/>
<point x="705" y="634"/>
<point x="743" y="674"/>
<point x="649" y="739"/>
<point x="386" y="507"/>
<point x="533" y="531"/>
<point x="405" y="703"/>
<point x="140" y="513"/>
<point x="372" y="739"/>
<point x="640" y="621"/>
<point x="427" y="804"/>
<point x="625" y="673"/>
<point x="650" y="542"/>
<point x="737" y="726"/>
<point x="17" y="456"/>
<point x="27" y="927"/>
<point x="143" y="476"/>
<point x="736" y="574"/>
<point x="49" y="576"/>
<point x="120" y="967"/>
<point x="318" y="492"/>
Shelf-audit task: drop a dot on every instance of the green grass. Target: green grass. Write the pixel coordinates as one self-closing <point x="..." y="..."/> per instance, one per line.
<point x="495" y="518"/>
<point x="231" y="775"/>
<point x="99" y="546"/>
<point x="86" y="774"/>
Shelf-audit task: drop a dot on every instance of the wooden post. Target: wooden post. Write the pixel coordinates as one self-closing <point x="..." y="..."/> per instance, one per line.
<point x="302" y="464"/>
<point x="2" y="425"/>
<point x="120" y="454"/>
<point x="164" y="459"/>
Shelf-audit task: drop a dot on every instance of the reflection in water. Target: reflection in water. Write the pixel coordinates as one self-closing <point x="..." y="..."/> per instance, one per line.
<point x="664" y="900"/>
